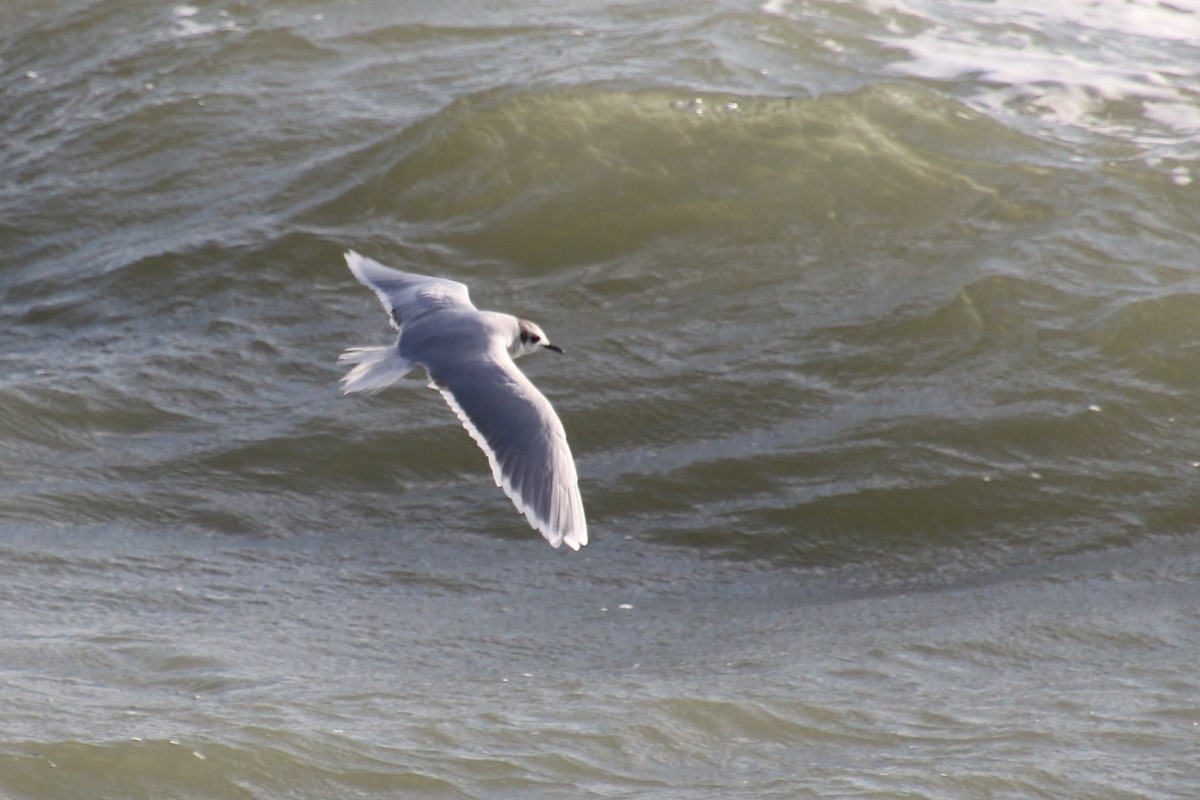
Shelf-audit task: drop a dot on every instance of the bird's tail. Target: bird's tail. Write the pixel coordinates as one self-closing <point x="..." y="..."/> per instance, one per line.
<point x="376" y="368"/>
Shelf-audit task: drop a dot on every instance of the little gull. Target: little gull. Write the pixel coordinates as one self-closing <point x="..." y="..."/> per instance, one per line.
<point x="468" y="355"/>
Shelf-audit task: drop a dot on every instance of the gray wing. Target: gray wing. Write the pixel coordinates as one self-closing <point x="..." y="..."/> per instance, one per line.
<point x="523" y="438"/>
<point x="407" y="295"/>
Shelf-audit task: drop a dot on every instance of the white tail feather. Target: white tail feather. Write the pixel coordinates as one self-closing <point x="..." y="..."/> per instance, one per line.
<point x="376" y="368"/>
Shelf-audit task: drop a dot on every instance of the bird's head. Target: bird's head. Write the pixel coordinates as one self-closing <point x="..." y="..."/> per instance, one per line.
<point x="530" y="339"/>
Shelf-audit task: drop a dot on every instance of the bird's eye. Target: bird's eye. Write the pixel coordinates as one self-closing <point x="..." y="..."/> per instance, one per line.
<point x="533" y="337"/>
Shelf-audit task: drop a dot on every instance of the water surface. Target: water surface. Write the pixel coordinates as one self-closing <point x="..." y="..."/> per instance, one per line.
<point x="883" y="326"/>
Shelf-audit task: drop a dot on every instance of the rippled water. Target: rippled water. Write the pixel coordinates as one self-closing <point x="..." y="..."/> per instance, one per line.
<point x="883" y="333"/>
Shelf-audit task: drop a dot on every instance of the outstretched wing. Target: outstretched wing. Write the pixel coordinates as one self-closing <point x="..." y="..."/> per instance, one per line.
<point x="407" y="295"/>
<point x="523" y="438"/>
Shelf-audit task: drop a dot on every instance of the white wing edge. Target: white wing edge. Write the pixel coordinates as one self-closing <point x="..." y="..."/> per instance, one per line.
<point x="577" y="535"/>
<point x="358" y="265"/>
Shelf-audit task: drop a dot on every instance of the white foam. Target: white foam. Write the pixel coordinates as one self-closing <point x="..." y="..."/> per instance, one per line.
<point x="1089" y="65"/>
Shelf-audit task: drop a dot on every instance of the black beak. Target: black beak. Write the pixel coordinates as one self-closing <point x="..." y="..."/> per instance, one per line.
<point x="553" y="347"/>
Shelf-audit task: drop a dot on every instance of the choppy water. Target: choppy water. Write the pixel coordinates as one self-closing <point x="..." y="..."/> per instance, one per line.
<point x="883" y="323"/>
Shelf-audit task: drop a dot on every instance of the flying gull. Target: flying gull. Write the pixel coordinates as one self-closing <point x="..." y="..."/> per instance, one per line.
<point x="468" y="355"/>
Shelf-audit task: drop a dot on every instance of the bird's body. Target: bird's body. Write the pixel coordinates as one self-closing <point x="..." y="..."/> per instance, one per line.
<point x="468" y="355"/>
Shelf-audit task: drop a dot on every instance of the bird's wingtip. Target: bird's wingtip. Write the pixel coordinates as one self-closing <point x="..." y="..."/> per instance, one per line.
<point x="361" y="266"/>
<point x="573" y="541"/>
